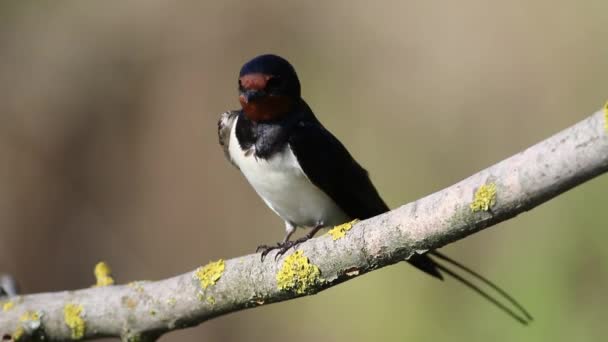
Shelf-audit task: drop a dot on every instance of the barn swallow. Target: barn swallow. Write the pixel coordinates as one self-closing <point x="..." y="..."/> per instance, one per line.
<point x="304" y="173"/>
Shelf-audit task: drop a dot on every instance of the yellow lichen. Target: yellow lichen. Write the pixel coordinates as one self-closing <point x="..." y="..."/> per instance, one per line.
<point x="298" y="274"/>
<point x="339" y="231"/>
<point x="29" y="316"/>
<point x="8" y="305"/>
<point x="103" y="274"/>
<point x="485" y="197"/>
<point x="137" y="285"/>
<point x="209" y="274"/>
<point x="30" y="321"/>
<point x="18" y="333"/>
<point x="211" y="300"/>
<point x="72" y="315"/>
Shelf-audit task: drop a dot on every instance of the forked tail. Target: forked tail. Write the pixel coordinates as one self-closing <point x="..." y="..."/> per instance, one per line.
<point x="429" y="265"/>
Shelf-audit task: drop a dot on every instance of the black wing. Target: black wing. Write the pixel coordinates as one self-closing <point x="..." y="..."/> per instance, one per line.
<point x="330" y="167"/>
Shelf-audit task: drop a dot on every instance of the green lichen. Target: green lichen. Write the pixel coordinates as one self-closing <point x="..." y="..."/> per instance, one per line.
<point x="209" y="274"/>
<point x="339" y="231"/>
<point x="298" y="274"/>
<point x="485" y="198"/>
<point x="8" y="306"/>
<point x="72" y="315"/>
<point x="211" y="300"/>
<point x="103" y="274"/>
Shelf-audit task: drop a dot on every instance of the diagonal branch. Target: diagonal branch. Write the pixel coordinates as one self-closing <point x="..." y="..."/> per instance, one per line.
<point x="145" y="310"/>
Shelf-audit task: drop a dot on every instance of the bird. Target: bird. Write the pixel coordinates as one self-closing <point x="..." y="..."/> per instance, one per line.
<point x="305" y="174"/>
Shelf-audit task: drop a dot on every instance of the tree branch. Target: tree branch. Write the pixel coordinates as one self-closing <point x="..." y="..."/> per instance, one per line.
<point x="145" y="310"/>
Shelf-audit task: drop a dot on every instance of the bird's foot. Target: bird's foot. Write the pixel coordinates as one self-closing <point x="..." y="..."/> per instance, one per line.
<point x="281" y="247"/>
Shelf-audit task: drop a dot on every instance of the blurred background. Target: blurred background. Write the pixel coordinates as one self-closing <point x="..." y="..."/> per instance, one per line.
<point x="108" y="150"/>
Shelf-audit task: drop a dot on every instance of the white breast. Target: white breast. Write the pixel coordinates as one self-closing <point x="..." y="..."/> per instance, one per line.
<point x="282" y="184"/>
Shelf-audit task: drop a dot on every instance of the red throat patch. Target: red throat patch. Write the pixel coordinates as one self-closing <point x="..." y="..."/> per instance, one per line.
<point x="266" y="108"/>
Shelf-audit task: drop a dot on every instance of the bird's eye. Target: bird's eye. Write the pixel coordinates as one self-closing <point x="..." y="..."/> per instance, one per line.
<point x="274" y="82"/>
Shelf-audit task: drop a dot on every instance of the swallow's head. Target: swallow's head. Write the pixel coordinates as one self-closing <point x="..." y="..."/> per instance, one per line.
<point x="268" y="88"/>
